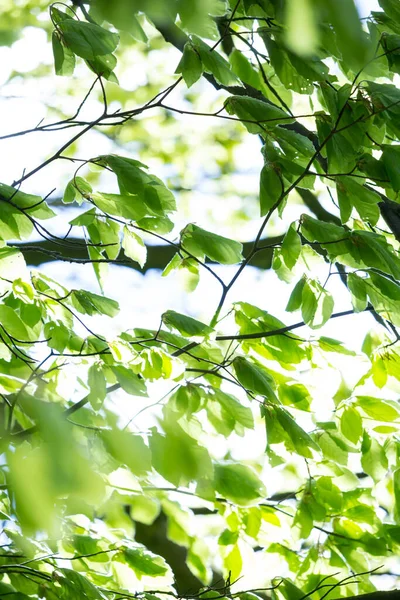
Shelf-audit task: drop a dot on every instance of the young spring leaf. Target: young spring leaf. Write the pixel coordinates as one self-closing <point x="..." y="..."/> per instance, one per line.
<point x="87" y="40"/>
<point x="64" y="58"/>
<point x="134" y="246"/>
<point x="202" y="243"/>
<point x="255" y="378"/>
<point x="238" y="483"/>
<point x="186" y="326"/>
<point x="271" y="188"/>
<point x="190" y="65"/>
<point x="257" y="116"/>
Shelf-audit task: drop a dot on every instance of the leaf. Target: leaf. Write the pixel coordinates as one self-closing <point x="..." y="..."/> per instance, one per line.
<point x="301" y="441"/>
<point x="358" y="290"/>
<point x="352" y="194"/>
<point x="257" y="116"/>
<point x="77" y="186"/>
<point x="186" y="326"/>
<point x="378" y="409"/>
<point x="190" y="65"/>
<point x="350" y="37"/>
<point x="122" y="15"/>
<point x="129" y="449"/>
<point x="104" y="66"/>
<point x="144" y="509"/>
<point x="13" y="324"/>
<point x="233" y="563"/>
<point x="317" y="304"/>
<point x="238" y="483"/>
<point x="271" y="188"/>
<point x="64" y="59"/>
<point x="87" y="40"/>
<point x="178" y="457"/>
<point x="143" y="562"/>
<point x="291" y="247"/>
<point x="134" y="247"/>
<point x="296" y="297"/>
<point x="390" y="159"/>
<point x="74" y="586"/>
<point x="88" y="303"/>
<point x="396" y="489"/>
<point x="241" y="414"/>
<point x="33" y="205"/>
<point x="374" y="460"/>
<point x="351" y="424"/>
<point x="97" y="385"/>
<point x="214" y="63"/>
<point x="130" y="382"/>
<point x="301" y="27"/>
<point x="200" y="242"/>
<point x="254" y="377"/>
<point x="149" y="195"/>
<point x="332" y="447"/>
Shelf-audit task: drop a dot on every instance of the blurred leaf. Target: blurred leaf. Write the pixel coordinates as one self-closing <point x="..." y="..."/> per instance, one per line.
<point x="238" y="483"/>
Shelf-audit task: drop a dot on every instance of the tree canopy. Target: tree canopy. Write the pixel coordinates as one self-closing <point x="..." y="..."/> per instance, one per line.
<point x="238" y="452"/>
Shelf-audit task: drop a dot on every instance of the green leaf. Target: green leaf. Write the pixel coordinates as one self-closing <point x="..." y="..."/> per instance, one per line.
<point x="74" y="586"/>
<point x="350" y="38"/>
<point x="317" y="304"/>
<point x="87" y="40"/>
<point x="301" y="441"/>
<point x="214" y="63"/>
<point x="122" y="15"/>
<point x="161" y="225"/>
<point x="377" y="409"/>
<point x="301" y="27"/>
<point x="64" y="59"/>
<point x="97" y="385"/>
<point x="396" y="489"/>
<point x="271" y="188"/>
<point x="134" y="247"/>
<point x="296" y="297"/>
<point x="358" y="291"/>
<point x="178" y="457"/>
<point x="233" y="563"/>
<point x="255" y="378"/>
<point x="238" y="483"/>
<point x="332" y="447"/>
<point x="77" y="186"/>
<point x="149" y="195"/>
<point x="144" y="509"/>
<point x="291" y="247"/>
<point x="129" y="449"/>
<point x="351" y="424"/>
<point x="14" y="325"/>
<point x="33" y="205"/>
<point x="143" y="562"/>
<point x="190" y="65"/>
<point x="186" y="326"/>
<point x="241" y="414"/>
<point x="130" y="382"/>
<point x="328" y="344"/>
<point x="257" y="116"/>
<point x="374" y="460"/>
<point x="200" y="242"/>
<point x="88" y="303"/>
<point x="104" y="66"/>
<point x="390" y="159"/>
<point x="352" y="194"/>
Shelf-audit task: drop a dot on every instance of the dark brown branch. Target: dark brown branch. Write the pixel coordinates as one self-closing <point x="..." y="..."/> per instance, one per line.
<point x="158" y="256"/>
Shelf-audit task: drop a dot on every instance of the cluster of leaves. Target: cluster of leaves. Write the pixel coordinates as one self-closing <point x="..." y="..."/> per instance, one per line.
<point x="73" y="478"/>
